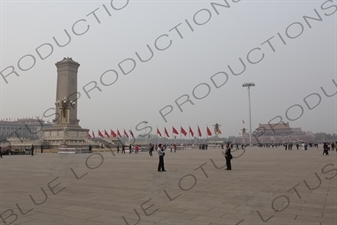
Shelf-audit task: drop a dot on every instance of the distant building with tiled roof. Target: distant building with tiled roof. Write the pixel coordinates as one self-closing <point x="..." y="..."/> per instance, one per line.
<point x="279" y="133"/>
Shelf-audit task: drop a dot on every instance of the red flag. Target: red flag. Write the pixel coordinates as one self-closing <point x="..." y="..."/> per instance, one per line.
<point x="209" y="133"/>
<point x="182" y="131"/>
<point x="89" y="135"/>
<point x="167" y="135"/>
<point x="126" y="134"/>
<point x="113" y="134"/>
<point x="106" y="134"/>
<point x="93" y="134"/>
<point x="191" y="132"/>
<point x="174" y="130"/>
<point x="131" y="133"/>
<point x="199" y="132"/>
<point x="158" y="132"/>
<point x="243" y="121"/>
<point x="118" y="133"/>
<point x="100" y="133"/>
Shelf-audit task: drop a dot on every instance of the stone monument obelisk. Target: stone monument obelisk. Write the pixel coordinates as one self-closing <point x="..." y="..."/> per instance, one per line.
<point x="66" y="89"/>
<point x="66" y="129"/>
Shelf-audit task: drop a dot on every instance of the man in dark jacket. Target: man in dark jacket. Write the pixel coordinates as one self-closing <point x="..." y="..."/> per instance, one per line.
<point x="151" y="148"/>
<point x="32" y="150"/>
<point x="325" y="149"/>
<point x="229" y="157"/>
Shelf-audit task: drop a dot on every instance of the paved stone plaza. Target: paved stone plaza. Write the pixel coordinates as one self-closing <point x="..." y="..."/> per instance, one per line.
<point x="265" y="184"/>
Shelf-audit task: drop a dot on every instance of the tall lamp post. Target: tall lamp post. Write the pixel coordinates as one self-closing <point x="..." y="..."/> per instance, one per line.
<point x="145" y="135"/>
<point x="249" y="85"/>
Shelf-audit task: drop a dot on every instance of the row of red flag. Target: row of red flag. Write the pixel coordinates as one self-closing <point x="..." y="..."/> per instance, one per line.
<point x="174" y="131"/>
<point x="112" y="134"/>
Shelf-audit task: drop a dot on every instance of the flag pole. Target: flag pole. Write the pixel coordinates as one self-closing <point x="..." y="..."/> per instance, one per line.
<point x="189" y="134"/>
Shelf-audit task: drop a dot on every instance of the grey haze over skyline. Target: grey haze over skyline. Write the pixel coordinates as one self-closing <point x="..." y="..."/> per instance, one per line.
<point x="299" y="59"/>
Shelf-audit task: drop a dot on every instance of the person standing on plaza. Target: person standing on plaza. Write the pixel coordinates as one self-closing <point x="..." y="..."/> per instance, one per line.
<point x="151" y="148"/>
<point x="130" y="149"/>
<point x="161" y="154"/>
<point x="229" y="157"/>
<point x="118" y="148"/>
<point x="0" y="152"/>
<point x="325" y="149"/>
<point x="175" y="147"/>
<point x="32" y="150"/>
<point x="123" y="149"/>
<point x="136" y="149"/>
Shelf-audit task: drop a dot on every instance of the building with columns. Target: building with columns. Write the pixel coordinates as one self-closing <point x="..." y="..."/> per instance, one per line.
<point x="27" y="128"/>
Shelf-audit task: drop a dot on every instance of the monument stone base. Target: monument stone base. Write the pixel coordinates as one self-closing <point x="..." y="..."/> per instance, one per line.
<point x="72" y="137"/>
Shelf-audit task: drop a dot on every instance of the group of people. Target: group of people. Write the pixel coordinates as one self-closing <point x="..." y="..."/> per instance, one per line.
<point x="161" y="153"/>
<point x="31" y="150"/>
<point x="327" y="147"/>
<point x="137" y="147"/>
<point x="152" y="147"/>
<point x="289" y="146"/>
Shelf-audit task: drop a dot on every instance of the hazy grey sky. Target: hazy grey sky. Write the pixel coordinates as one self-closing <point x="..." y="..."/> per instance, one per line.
<point x="299" y="60"/>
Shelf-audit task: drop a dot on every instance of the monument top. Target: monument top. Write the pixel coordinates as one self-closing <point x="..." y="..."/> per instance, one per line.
<point x="67" y="60"/>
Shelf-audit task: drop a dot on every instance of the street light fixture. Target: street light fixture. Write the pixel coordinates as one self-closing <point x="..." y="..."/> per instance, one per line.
<point x="249" y="85"/>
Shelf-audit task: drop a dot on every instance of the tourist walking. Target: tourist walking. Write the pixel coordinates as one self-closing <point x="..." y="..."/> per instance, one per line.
<point x="123" y="149"/>
<point x="117" y="148"/>
<point x="0" y="152"/>
<point x="32" y="150"/>
<point x="151" y="148"/>
<point x="136" y="149"/>
<point x="161" y="154"/>
<point x="325" y="149"/>
<point x="130" y="149"/>
<point x="229" y="157"/>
